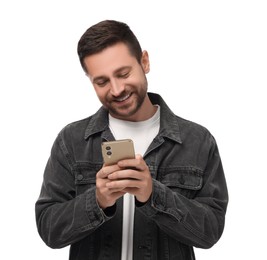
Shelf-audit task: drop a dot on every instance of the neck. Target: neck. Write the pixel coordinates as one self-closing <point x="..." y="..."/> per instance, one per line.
<point x="146" y="111"/>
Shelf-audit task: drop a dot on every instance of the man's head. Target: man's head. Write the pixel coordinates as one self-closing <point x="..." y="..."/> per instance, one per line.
<point x="105" y="34"/>
<point x="113" y="60"/>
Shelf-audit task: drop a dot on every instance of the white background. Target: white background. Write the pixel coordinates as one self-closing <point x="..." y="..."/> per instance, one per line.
<point x="208" y="61"/>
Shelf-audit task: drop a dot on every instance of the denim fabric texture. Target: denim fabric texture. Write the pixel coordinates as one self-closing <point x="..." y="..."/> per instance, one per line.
<point x="187" y="207"/>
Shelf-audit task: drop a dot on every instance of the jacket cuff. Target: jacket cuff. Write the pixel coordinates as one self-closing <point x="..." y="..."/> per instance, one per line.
<point x="95" y="214"/>
<point x="156" y="203"/>
<point x="109" y="212"/>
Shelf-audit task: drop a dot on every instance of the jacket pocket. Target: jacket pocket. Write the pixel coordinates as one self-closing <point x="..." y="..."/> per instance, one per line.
<point x="183" y="180"/>
<point x="85" y="176"/>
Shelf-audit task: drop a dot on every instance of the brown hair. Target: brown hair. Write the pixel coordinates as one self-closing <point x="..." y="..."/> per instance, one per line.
<point x="105" y="34"/>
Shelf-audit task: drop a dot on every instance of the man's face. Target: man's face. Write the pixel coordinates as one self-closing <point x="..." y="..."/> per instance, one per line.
<point x="119" y="80"/>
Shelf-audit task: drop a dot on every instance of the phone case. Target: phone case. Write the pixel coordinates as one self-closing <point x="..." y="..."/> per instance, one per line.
<point x="114" y="151"/>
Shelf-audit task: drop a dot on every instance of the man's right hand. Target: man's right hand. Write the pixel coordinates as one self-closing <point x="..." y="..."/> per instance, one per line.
<point x="105" y="196"/>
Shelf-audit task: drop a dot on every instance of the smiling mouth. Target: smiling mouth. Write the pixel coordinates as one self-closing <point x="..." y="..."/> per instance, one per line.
<point x="121" y="99"/>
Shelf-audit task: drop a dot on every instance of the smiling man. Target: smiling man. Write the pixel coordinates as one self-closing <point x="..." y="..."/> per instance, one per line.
<point x="120" y="82"/>
<point x="170" y="198"/>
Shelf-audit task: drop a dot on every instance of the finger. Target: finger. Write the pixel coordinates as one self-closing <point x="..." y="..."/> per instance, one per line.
<point x="132" y="191"/>
<point x="102" y="174"/>
<point x="112" y="191"/>
<point x="126" y="174"/>
<point x="137" y="163"/>
<point x="123" y="184"/>
<point x="106" y="170"/>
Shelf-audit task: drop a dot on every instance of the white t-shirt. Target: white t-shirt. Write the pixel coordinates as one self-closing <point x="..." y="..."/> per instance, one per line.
<point x="142" y="133"/>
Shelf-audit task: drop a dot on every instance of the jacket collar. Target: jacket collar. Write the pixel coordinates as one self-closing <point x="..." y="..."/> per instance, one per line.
<point x="169" y="126"/>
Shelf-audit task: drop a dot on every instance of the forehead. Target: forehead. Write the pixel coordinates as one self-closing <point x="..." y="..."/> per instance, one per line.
<point x="109" y="60"/>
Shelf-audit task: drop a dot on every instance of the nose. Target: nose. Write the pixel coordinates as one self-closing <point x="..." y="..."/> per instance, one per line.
<point x="116" y="87"/>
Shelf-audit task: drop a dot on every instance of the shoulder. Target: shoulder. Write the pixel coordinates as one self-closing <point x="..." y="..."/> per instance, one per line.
<point x="189" y="125"/>
<point x="76" y="125"/>
<point x="83" y="128"/>
<point x="194" y="131"/>
<point x="74" y="131"/>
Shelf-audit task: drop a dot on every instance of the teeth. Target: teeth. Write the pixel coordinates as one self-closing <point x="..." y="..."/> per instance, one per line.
<point x="123" y="98"/>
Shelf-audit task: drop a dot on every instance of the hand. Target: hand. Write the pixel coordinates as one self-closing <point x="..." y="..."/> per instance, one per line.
<point x="132" y="176"/>
<point x="105" y="196"/>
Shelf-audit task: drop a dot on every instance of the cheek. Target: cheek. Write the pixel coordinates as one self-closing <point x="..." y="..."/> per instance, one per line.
<point x="101" y="93"/>
<point x="135" y="81"/>
<point x="99" y="90"/>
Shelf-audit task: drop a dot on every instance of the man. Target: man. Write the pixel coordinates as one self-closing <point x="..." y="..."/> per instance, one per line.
<point x="170" y="198"/>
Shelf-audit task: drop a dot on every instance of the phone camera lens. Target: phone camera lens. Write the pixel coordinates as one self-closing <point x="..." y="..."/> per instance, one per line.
<point x="109" y="153"/>
<point x="108" y="148"/>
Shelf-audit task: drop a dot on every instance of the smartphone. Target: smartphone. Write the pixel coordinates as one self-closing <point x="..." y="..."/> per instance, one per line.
<point x="114" y="151"/>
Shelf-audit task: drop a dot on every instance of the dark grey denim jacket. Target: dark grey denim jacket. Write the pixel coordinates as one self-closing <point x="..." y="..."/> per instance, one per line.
<point x="187" y="207"/>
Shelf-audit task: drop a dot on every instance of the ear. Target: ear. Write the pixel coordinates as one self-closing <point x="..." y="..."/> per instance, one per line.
<point x="145" y="62"/>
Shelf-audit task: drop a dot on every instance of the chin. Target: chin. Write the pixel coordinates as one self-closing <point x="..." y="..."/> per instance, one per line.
<point x="125" y="114"/>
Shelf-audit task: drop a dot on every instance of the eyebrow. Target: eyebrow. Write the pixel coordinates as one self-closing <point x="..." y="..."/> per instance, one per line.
<point x="115" y="72"/>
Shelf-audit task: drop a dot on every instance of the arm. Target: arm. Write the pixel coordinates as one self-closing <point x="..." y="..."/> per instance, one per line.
<point x="62" y="217"/>
<point x="197" y="222"/>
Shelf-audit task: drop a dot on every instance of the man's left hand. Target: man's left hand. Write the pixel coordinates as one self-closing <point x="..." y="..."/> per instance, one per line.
<point x="134" y="178"/>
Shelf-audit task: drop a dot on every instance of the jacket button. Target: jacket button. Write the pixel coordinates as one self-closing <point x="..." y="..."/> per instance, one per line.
<point x="79" y="177"/>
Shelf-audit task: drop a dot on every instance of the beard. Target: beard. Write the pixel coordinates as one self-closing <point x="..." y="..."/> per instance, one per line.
<point x="130" y="108"/>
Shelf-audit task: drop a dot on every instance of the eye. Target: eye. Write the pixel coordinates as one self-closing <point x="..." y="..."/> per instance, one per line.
<point x="124" y="75"/>
<point x="101" y="83"/>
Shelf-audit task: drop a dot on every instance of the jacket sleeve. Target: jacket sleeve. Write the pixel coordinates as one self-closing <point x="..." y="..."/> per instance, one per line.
<point x="62" y="217"/>
<point x="196" y="222"/>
